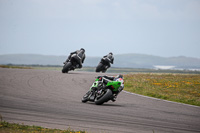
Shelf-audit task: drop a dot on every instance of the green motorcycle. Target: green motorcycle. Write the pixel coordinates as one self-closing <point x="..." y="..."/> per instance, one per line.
<point x="101" y="93"/>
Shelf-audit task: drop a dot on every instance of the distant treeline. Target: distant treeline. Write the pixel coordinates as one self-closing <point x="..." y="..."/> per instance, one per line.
<point x="110" y="70"/>
<point x="120" y="61"/>
<point x="33" y="65"/>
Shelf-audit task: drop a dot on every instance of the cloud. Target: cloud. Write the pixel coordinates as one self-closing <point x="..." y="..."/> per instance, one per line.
<point x="103" y="9"/>
<point x="143" y="23"/>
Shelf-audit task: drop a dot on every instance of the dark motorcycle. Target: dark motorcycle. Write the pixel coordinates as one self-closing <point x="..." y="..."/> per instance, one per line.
<point x="101" y="93"/>
<point x="103" y="65"/>
<point x="71" y="64"/>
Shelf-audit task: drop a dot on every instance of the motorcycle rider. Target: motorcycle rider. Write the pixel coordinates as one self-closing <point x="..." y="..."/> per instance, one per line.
<point x="110" y="58"/>
<point x="119" y="78"/>
<point x="80" y="54"/>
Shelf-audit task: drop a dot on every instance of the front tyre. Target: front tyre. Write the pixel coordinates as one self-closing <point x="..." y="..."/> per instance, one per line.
<point x="85" y="97"/>
<point x="103" y="98"/>
<point x="66" y="67"/>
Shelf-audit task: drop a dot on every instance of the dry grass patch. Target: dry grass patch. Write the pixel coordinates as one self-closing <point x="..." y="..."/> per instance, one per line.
<point x="184" y="88"/>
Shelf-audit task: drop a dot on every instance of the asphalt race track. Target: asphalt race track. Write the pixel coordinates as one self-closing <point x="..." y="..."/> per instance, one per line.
<point x="53" y="99"/>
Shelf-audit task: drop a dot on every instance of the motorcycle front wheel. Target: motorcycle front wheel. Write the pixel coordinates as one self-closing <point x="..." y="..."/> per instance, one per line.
<point x="85" y="97"/>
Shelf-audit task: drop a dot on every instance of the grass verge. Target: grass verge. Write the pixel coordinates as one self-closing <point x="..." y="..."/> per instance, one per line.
<point x="6" y="127"/>
<point x="18" y="67"/>
<point x="183" y="88"/>
<point x="92" y="69"/>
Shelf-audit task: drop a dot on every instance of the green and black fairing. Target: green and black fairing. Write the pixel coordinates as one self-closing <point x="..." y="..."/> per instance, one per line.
<point x="114" y="85"/>
<point x="100" y="93"/>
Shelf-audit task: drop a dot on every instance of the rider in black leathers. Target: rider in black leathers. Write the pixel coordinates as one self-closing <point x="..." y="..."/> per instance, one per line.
<point x="81" y="56"/>
<point x="110" y="58"/>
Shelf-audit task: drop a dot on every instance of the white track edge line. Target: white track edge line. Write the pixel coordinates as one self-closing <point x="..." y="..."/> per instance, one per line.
<point x="159" y="99"/>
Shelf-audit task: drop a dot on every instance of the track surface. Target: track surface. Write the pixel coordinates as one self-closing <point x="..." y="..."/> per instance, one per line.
<point x="52" y="99"/>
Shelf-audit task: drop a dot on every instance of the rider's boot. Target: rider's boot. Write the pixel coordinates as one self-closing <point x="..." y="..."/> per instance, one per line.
<point x="114" y="98"/>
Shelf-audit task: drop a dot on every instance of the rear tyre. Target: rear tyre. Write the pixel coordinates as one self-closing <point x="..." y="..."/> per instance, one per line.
<point x="99" y="67"/>
<point x="104" y="98"/>
<point x="66" y="67"/>
<point x="103" y="71"/>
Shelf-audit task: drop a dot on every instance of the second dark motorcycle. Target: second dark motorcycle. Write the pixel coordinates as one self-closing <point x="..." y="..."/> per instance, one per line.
<point x="71" y="64"/>
<point x="103" y="65"/>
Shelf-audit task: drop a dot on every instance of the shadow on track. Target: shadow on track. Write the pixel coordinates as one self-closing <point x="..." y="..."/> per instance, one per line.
<point x="105" y="104"/>
<point x="79" y="72"/>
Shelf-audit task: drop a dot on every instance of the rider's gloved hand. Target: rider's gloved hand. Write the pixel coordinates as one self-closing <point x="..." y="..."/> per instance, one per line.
<point x="99" y="77"/>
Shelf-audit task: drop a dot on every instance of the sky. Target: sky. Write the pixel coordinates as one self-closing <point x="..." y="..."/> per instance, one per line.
<point x="165" y="28"/>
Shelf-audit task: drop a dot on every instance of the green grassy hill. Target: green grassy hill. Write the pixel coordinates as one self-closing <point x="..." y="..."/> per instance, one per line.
<point x="122" y="60"/>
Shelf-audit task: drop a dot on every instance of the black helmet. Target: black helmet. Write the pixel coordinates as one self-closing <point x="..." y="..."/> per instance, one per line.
<point x="119" y="76"/>
<point x="82" y="49"/>
<point x="111" y="53"/>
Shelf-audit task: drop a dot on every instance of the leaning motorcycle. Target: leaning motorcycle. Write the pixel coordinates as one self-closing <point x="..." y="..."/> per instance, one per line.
<point x="101" y="93"/>
<point x="72" y="64"/>
<point x="103" y="65"/>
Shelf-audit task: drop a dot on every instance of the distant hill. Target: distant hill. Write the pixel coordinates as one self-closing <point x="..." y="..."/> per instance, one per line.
<point x="122" y="60"/>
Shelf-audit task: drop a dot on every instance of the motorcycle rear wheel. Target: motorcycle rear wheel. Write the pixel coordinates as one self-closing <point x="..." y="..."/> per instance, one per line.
<point x="106" y="97"/>
<point x="66" y="67"/>
<point x="99" y="67"/>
